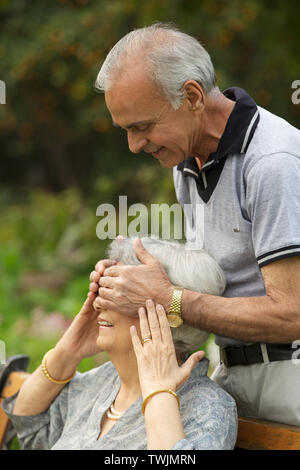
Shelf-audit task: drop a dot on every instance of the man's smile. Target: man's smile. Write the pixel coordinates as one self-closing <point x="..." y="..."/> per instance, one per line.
<point x="157" y="152"/>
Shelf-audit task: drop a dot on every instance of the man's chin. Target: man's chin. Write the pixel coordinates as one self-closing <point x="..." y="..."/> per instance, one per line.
<point x="169" y="162"/>
<point x="166" y="164"/>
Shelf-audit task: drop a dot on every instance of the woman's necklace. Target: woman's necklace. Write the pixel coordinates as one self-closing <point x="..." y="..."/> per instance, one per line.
<point x="113" y="414"/>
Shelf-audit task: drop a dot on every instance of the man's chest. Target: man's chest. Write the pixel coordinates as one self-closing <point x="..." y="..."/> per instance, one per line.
<point x="222" y="227"/>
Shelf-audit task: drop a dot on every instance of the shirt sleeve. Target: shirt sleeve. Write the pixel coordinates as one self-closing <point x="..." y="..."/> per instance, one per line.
<point x="273" y="207"/>
<point x="39" y="432"/>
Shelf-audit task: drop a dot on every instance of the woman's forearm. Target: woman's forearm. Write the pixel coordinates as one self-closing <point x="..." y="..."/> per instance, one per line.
<point x="38" y="392"/>
<point x="163" y="422"/>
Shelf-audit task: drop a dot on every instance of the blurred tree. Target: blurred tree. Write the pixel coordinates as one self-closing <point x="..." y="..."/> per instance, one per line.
<point x="55" y="131"/>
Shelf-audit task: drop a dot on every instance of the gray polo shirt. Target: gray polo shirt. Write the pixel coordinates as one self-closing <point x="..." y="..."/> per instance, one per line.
<point x="248" y="197"/>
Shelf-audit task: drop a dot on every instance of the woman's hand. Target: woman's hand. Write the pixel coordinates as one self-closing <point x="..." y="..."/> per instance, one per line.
<point x="157" y="363"/>
<point x="79" y="341"/>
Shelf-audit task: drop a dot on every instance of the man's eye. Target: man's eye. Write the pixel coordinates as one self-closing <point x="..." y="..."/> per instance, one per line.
<point x="143" y="128"/>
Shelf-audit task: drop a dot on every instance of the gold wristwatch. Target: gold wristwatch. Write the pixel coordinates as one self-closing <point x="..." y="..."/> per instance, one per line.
<point x="174" y="315"/>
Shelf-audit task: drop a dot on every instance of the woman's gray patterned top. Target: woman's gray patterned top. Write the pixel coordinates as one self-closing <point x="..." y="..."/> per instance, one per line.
<point x="73" y="419"/>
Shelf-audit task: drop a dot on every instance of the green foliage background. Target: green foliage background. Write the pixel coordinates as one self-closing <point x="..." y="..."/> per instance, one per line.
<point x="60" y="156"/>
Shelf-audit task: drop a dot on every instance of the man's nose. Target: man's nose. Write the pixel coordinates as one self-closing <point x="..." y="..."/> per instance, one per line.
<point x="136" y="143"/>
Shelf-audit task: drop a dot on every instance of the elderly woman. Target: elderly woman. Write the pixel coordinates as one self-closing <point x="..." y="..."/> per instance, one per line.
<point x="150" y="395"/>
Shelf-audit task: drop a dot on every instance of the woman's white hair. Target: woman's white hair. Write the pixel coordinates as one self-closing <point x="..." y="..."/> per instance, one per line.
<point x="170" y="57"/>
<point x="192" y="269"/>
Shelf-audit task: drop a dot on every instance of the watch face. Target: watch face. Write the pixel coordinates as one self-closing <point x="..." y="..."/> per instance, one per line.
<point x="174" y="320"/>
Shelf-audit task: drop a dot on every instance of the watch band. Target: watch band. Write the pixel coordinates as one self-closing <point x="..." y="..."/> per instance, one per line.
<point x="174" y="314"/>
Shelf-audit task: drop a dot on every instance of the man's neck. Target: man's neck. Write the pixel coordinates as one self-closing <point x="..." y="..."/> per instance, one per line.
<point x="217" y="111"/>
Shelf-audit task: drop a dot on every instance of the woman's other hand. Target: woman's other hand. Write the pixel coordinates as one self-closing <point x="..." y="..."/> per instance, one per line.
<point x="79" y="340"/>
<point x="157" y="362"/>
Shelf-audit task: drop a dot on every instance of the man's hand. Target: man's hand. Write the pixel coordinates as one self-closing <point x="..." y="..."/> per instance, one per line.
<point x="126" y="288"/>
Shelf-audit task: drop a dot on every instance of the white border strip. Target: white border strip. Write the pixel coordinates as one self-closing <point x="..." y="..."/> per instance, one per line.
<point x="208" y="164"/>
<point x="204" y="179"/>
<point x="191" y="171"/>
<point x="279" y="253"/>
<point x="248" y="131"/>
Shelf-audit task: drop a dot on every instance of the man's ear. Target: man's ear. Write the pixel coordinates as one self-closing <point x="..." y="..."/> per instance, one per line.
<point x="195" y="95"/>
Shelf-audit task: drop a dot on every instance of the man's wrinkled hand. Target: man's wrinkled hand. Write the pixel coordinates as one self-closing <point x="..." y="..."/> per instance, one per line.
<point x="125" y="288"/>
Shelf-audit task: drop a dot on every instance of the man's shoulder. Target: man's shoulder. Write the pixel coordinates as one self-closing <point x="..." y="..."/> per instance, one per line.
<point x="273" y="140"/>
<point x="274" y="135"/>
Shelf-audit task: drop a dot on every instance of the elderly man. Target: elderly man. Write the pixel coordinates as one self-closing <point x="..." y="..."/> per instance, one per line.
<point x="242" y="164"/>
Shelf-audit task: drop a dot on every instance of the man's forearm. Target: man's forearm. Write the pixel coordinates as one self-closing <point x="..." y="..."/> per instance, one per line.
<point x="253" y="319"/>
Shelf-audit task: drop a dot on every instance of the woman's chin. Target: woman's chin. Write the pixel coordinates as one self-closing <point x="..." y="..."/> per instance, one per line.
<point x="104" y="343"/>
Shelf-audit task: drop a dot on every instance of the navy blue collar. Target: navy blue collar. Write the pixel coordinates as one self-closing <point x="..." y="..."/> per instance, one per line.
<point x="237" y="134"/>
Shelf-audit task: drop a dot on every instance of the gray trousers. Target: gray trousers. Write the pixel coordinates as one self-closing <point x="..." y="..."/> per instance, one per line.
<point x="269" y="391"/>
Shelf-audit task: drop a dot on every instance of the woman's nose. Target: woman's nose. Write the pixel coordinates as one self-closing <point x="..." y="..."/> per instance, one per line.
<point x="136" y="143"/>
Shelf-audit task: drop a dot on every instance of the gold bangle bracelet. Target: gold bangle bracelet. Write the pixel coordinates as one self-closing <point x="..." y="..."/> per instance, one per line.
<point x="46" y="373"/>
<point x="159" y="391"/>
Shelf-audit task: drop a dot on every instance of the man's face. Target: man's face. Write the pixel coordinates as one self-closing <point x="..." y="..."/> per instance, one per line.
<point x="151" y="123"/>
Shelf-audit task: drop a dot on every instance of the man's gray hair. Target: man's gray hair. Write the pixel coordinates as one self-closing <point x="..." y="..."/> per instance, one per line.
<point x="170" y="57"/>
<point x="192" y="269"/>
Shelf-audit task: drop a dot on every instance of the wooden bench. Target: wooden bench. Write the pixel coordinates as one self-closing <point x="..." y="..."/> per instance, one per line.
<point x="12" y="376"/>
<point x="253" y="434"/>
<point x="256" y="434"/>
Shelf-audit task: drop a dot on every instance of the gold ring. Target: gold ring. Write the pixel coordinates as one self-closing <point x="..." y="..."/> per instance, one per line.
<point x="147" y="338"/>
